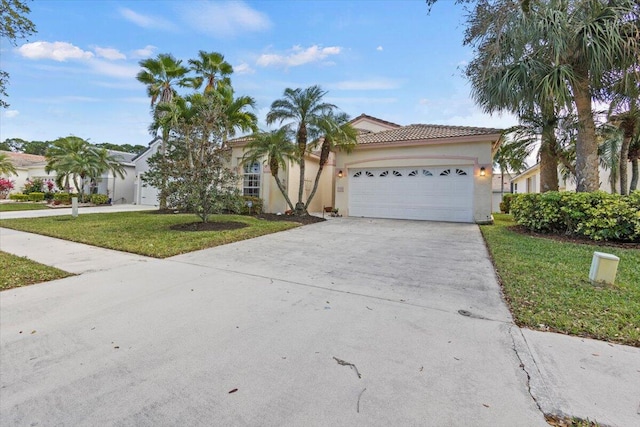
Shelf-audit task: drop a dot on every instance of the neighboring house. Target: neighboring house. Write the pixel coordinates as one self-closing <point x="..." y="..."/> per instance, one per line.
<point x="28" y="167"/>
<point x="427" y="172"/>
<point x="500" y="185"/>
<point x="529" y="181"/>
<point x="31" y="166"/>
<point x="145" y="194"/>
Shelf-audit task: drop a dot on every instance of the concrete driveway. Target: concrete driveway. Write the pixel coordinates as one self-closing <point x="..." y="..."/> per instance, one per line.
<point x="346" y="322"/>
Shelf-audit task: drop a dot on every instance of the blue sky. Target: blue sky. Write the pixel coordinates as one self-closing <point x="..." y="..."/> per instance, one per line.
<point x="388" y="59"/>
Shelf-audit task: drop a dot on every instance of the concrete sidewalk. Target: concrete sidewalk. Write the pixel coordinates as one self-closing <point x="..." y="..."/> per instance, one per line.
<point x="81" y="211"/>
<point x="135" y="340"/>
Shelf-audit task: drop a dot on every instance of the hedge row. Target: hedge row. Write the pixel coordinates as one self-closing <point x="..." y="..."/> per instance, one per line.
<point x="598" y="216"/>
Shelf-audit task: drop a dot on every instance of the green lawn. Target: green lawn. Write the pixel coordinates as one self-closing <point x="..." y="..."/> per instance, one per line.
<point x="21" y="206"/>
<point x="18" y="271"/>
<point x="145" y="233"/>
<point x="547" y="286"/>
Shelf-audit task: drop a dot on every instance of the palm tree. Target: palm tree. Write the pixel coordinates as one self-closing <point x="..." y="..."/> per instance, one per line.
<point x="212" y="68"/>
<point x="609" y="152"/>
<point x="569" y="47"/>
<point x="634" y="157"/>
<point x="162" y="75"/>
<point x="624" y="112"/>
<point x="6" y="166"/>
<point x="511" y="156"/>
<point x="302" y="108"/>
<point x="277" y="149"/>
<point x="337" y="134"/>
<point x="236" y="114"/>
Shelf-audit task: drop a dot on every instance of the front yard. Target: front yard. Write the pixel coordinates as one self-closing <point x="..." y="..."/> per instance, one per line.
<point x="18" y="271"/>
<point x="546" y="283"/>
<point x="148" y="233"/>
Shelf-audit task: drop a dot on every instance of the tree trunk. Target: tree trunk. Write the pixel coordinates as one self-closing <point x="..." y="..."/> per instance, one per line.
<point x="302" y="149"/>
<point x="282" y="190"/>
<point x="548" y="161"/>
<point x="587" y="174"/>
<point x="162" y="197"/>
<point x="624" y="157"/>
<point x="501" y="183"/>
<point x="324" y="157"/>
<point x="634" y="175"/>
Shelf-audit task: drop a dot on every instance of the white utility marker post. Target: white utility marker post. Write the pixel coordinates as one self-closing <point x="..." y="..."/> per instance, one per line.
<point x="74" y="207"/>
<point x="603" y="268"/>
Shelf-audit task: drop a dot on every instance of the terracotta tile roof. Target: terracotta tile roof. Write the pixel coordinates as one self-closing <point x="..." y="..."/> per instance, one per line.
<point x="375" y="119"/>
<point x="21" y="159"/>
<point x="421" y="132"/>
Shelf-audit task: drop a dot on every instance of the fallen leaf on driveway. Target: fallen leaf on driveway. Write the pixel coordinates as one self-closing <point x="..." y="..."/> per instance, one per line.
<point x="33" y="332"/>
<point x="485" y="405"/>
<point x="233" y="391"/>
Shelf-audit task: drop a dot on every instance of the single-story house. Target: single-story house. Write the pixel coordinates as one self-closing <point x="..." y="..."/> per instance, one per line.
<point x="32" y="166"/>
<point x="426" y="172"/>
<point x="28" y="167"/>
<point x="529" y="181"/>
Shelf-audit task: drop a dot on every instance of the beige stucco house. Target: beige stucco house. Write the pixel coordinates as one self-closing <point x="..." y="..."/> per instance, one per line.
<point x="529" y="181"/>
<point x="424" y="172"/>
<point x="28" y="167"/>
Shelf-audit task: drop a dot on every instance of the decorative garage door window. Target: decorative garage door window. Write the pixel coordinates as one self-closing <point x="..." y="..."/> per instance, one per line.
<point x="363" y="174"/>
<point x="458" y="172"/>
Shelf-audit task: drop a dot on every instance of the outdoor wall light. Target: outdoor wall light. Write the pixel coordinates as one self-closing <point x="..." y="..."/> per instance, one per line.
<point x="483" y="172"/>
<point x="340" y="174"/>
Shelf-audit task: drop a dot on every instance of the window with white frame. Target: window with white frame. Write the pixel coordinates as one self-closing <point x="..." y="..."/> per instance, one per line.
<point x="251" y="180"/>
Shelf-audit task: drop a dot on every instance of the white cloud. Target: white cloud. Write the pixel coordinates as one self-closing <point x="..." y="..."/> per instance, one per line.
<point x="109" y="53"/>
<point x="298" y="56"/>
<point x="9" y="114"/>
<point x="146" y="21"/>
<point x="370" y="84"/>
<point x="58" y="51"/>
<point x="379" y="48"/>
<point x="224" y="18"/>
<point x="243" y="68"/>
<point x="145" y="52"/>
<point x="114" y="70"/>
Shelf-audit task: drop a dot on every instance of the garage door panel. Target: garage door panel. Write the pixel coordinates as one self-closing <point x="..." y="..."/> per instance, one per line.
<point x="428" y="193"/>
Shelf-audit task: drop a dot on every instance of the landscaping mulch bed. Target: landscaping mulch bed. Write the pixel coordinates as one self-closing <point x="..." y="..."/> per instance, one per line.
<point x="209" y="226"/>
<point x="574" y="239"/>
<point x="306" y="219"/>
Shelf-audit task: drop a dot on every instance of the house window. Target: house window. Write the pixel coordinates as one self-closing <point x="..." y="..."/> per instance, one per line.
<point x="251" y="183"/>
<point x="515" y="188"/>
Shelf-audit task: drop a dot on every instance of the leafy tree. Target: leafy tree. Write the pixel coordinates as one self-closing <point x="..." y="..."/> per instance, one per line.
<point x="126" y="148"/>
<point x="196" y="166"/>
<point x="162" y="75"/>
<point x="336" y="134"/>
<point x="277" y="149"/>
<point x="28" y="147"/>
<point x="210" y="67"/>
<point x="302" y="108"/>
<point x="6" y="165"/>
<point x="14" y="25"/>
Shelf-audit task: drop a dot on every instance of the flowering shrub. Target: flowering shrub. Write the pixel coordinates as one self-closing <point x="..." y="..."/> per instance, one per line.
<point x="35" y="185"/>
<point x="6" y="185"/>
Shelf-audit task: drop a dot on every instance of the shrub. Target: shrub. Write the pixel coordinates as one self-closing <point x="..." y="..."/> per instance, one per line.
<point x="19" y="197"/>
<point x="256" y="205"/>
<point x="99" y="199"/>
<point x="62" y="198"/>
<point x="6" y="185"/>
<point x="598" y="216"/>
<point x="36" y="197"/>
<point x="35" y="185"/>
<point x="505" y="205"/>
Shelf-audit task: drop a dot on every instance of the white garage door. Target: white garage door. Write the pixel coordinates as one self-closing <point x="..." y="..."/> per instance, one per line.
<point x="427" y="193"/>
<point x="148" y="195"/>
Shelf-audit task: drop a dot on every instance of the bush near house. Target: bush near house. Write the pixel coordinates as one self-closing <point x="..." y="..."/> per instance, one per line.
<point x="505" y="205"/>
<point x="36" y="185"/>
<point x="256" y="205"/>
<point x="62" y="198"/>
<point x="36" y="197"/>
<point x="6" y="185"/>
<point x="99" y="199"/>
<point x="598" y="215"/>
<point x="19" y="197"/>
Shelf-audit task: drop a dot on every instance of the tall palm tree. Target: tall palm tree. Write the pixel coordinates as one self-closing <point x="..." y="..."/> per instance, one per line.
<point x="162" y="75"/>
<point x="302" y="108"/>
<point x="6" y="165"/>
<point x="569" y="46"/>
<point x="609" y="151"/>
<point x="277" y="149"/>
<point x="337" y="134"/>
<point x="511" y="156"/>
<point x="210" y="67"/>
